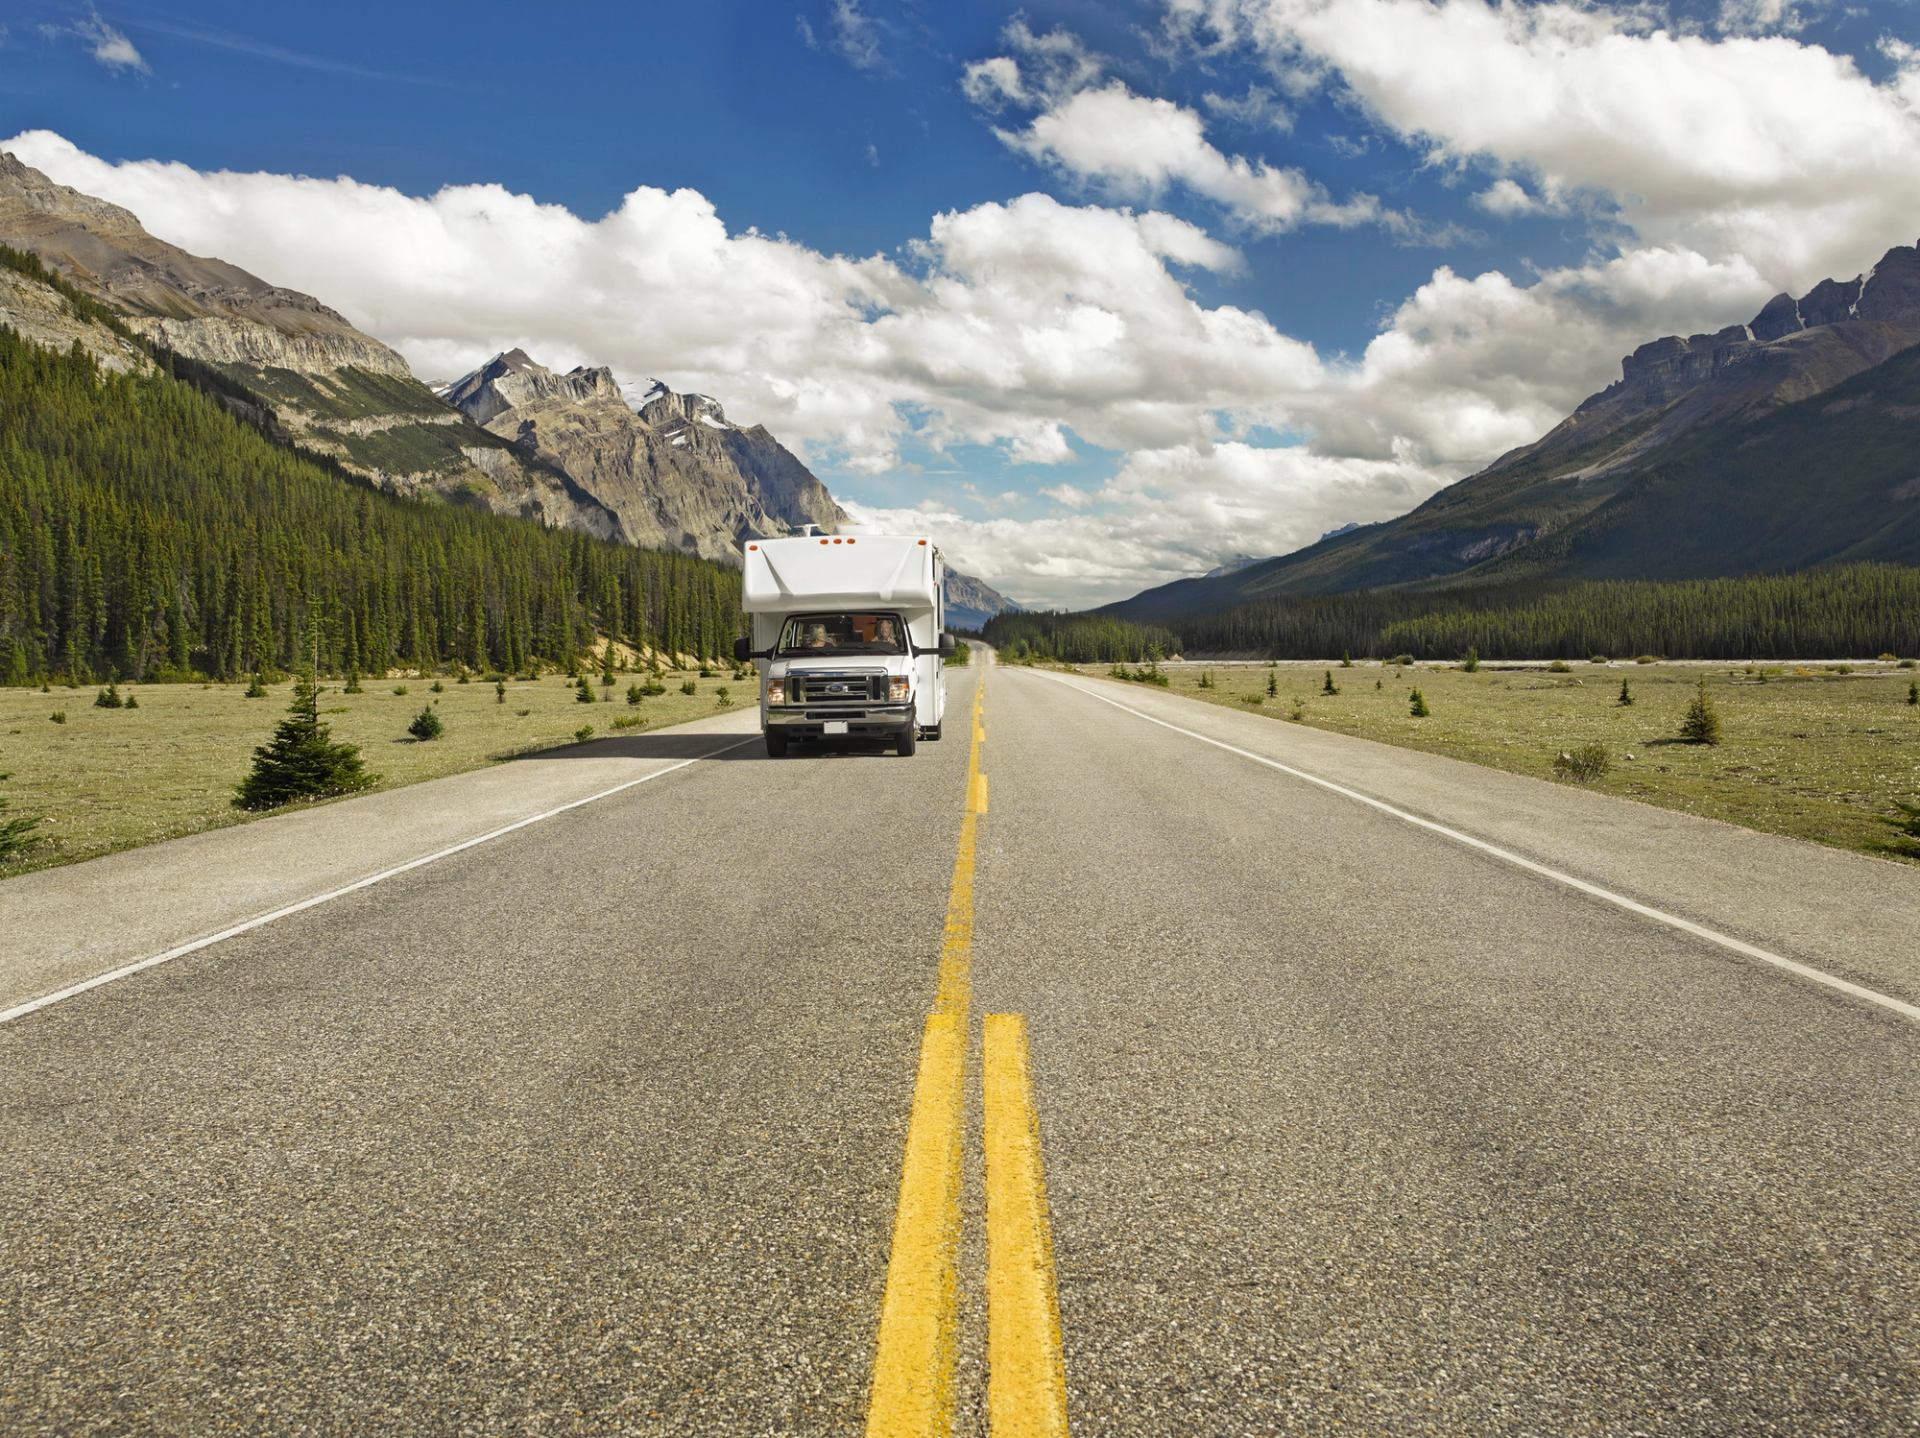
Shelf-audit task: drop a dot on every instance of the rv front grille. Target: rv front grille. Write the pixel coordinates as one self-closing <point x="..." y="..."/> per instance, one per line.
<point x="840" y="688"/>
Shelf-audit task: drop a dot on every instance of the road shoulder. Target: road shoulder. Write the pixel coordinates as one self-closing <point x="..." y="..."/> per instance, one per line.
<point x="68" y="925"/>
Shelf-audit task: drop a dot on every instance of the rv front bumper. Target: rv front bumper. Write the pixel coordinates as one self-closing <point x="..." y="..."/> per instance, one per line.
<point x="854" y="716"/>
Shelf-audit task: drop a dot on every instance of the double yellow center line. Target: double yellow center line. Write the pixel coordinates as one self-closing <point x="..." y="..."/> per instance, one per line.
<point x="914" y="1358"/>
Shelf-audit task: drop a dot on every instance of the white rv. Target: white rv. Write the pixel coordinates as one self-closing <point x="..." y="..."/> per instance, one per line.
<point x="847" y="637"/>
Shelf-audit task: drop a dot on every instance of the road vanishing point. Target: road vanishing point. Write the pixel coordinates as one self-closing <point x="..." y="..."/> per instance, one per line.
<point x="1117" y="1065"/>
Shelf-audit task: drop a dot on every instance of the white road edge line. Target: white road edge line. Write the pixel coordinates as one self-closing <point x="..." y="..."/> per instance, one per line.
<point x="31" y="1006"/>
<point x="1901" y="1007"/>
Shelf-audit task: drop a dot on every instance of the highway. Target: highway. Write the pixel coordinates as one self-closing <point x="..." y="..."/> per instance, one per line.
<point x="1292" y="1084"/>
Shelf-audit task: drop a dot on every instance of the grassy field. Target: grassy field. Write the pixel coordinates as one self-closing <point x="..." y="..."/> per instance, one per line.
<point x="108" y="779"/>
<point x="1808" y="750"/>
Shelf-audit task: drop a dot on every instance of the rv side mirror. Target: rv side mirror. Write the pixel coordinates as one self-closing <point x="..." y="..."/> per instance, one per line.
<point x="946" y="645"/>
<point x="742" y="650"/>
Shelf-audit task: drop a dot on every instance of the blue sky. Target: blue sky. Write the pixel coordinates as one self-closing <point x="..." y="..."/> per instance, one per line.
<point x="1377" y="279"/>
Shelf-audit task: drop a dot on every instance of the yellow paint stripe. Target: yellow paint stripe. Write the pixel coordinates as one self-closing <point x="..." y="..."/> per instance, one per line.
<point x="956" y="944"/>
<point x="1026" y="1373"/>
<point x="913" y="1363"/>
<point x="912" y="1395"/>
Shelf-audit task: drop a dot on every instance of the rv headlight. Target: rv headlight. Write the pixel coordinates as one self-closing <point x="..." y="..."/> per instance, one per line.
<point x="776" y="691"/>
<point x="898" y="689"/>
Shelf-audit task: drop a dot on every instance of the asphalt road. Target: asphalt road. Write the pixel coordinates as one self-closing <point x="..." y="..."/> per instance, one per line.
<point x="1349" y="1125"/>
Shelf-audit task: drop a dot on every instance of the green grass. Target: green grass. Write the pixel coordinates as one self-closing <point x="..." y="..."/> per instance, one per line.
<point x="111" y="779"/>
<point x="1812" y="753"/>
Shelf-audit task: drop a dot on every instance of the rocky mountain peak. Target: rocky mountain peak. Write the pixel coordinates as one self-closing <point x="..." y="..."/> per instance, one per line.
<point x="668" y="411"/>
<point x="514" y="379"/>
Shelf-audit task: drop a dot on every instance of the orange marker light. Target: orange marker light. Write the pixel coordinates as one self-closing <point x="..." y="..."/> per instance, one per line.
<point x="753" y="546"/>
<point x="923" y="544"/>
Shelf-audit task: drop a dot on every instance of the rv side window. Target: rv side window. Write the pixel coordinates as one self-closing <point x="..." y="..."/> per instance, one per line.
<point x="843" y="634"/>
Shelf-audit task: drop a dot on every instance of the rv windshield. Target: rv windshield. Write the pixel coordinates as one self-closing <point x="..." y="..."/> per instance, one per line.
<point x="806" y="634"/>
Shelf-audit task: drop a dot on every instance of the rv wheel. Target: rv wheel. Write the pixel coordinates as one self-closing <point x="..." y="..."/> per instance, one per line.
<point x="904" y="744"/>
<point x="776" y="743"/>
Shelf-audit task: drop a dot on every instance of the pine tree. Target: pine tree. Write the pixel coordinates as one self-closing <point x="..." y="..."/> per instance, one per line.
<point x="1273" y="685"/>
<point x="1329" y="687"/>
<point x="1913" y="692"/>
<point x="1472" y="662"/>
<point x="301" y="761"/>
<point x="1626" y="695"/>
<point x="499" y="691"/>
<point x="109" y="698"/>
<point x="353" y="683"/>
<point x="583" y="691"/>
<point x="426" y="724"/>
<point x="1702" y="724"/>
<point x="1417" y="705"/>
<point x="257" y="689"/>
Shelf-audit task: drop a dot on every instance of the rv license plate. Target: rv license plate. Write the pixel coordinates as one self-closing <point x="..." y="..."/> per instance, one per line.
<point x="835" y="726"/>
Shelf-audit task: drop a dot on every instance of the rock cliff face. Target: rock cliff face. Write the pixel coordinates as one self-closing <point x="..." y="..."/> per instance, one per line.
<point x="40" y="314"/>
<point x="280" y="359"/>
<point x="673" y="470"/>
<point x="205" y="309"/>
<point x="1793" y="349"/>
<point x="969" y="604"/>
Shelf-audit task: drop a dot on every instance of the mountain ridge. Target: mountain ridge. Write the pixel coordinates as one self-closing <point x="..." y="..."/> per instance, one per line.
<point x="1502" y="520"/>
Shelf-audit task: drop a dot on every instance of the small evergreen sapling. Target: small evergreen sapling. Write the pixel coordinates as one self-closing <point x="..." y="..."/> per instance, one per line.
<point x="109" y="698"/>
<point x="426" y="724"/>
<point x="353" y="683"/>
<point x="1913" y="692"/>
<point x="1626" y="695"/>
<point x="257" y="689"/>
<point x="1702" y="724"/>
<point x="689" y="687"/>
<point x="133" y="701"/>
<point x="1273" y="686"/>
<point x="1471" y="664"/>
<point x="499" y="691"/>
<point x="301" y="761"/>
<point x="1417" y="705"/>
<point x="582" y="691"/>
<point x="1346" y="659"/>
<point x="635" y="694"/>
<point x="1328" y="686"/>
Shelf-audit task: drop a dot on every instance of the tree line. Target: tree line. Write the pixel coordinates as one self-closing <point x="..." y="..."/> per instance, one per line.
<point x="1860" y="609"/>
<point x="1855" y="610"/>
<point x="147" y="534"/>
<point x="1078" y="638"/>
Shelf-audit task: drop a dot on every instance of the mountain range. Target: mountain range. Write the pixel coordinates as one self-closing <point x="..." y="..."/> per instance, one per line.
<point x="664" y="470"/>
<point x="1782" y="444"/>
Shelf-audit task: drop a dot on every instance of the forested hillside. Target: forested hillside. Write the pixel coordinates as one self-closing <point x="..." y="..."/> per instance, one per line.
<point x="145" y="533"/>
